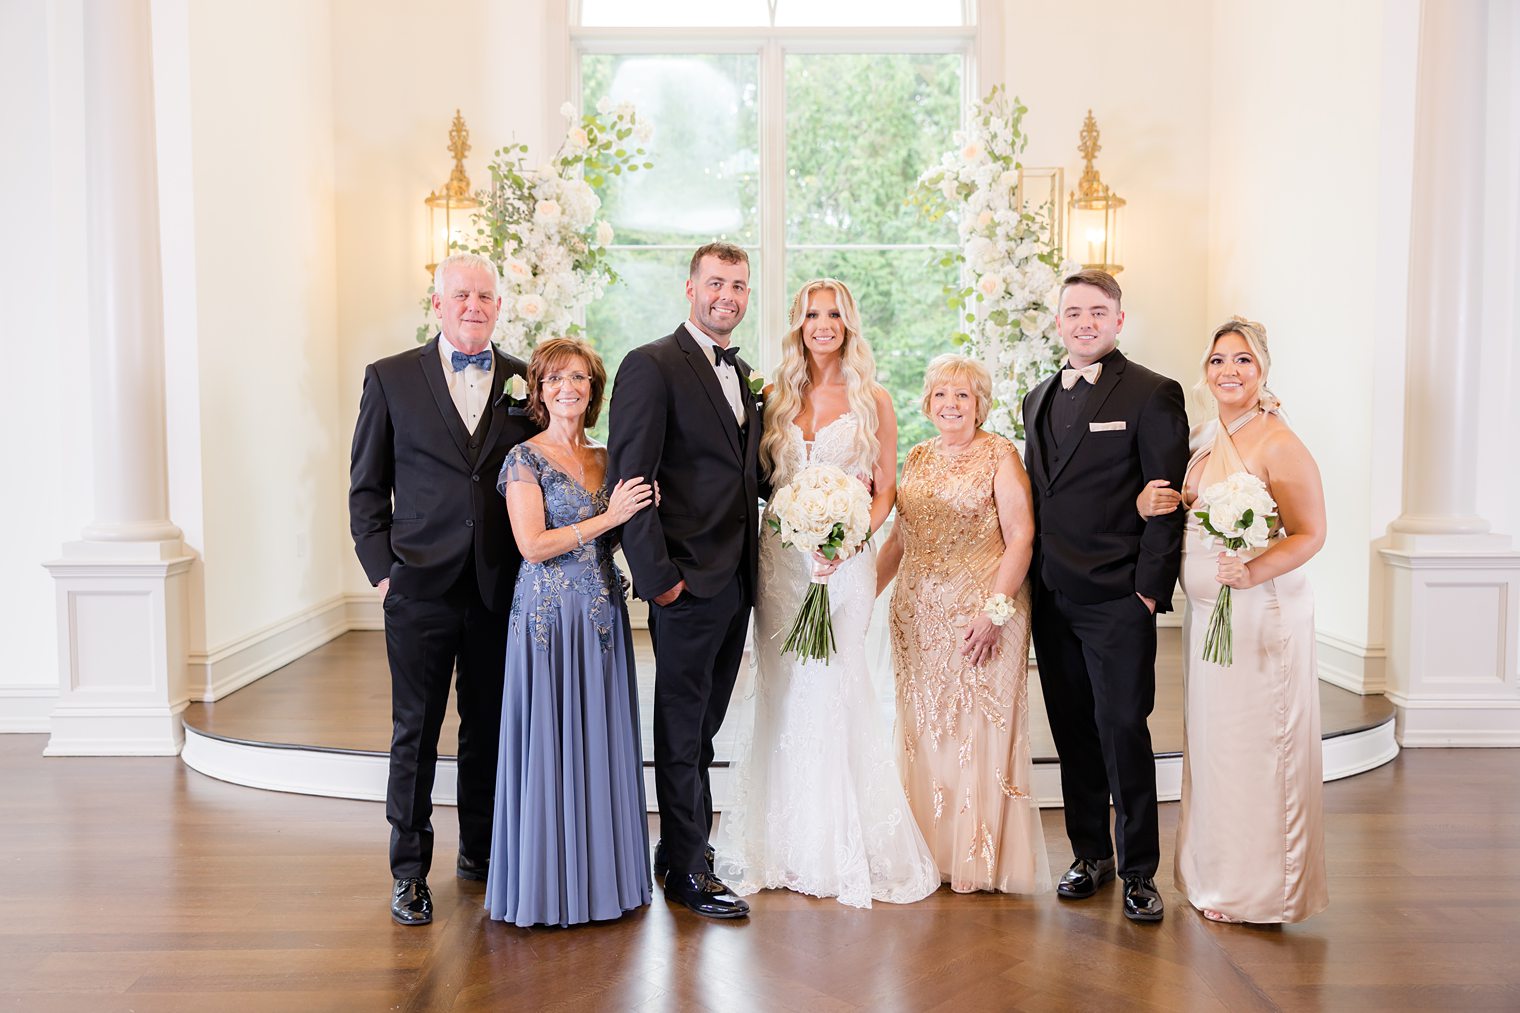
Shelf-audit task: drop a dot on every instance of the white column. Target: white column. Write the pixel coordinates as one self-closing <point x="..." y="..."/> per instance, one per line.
<point x="1453" y="586"/>
<point x="120" y="590"/>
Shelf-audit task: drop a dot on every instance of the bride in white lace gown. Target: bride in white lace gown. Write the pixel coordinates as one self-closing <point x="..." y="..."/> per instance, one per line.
<point x="819" y="806"/>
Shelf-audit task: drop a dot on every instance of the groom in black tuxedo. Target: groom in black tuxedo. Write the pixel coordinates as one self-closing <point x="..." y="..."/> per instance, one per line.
<point x="431" y="533"/>
<point x="1097" y="432"/>
<point x="682" y="413"/>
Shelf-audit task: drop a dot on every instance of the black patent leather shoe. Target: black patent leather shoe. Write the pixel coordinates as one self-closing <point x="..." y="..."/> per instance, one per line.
<point x="412" y="902"/>
<point x="662" y="866"/>
<point x="472" y="870"/>
<point x="705" y="894"/>
<point x="1142" y="901"/>
<point x="1084" y="877"/>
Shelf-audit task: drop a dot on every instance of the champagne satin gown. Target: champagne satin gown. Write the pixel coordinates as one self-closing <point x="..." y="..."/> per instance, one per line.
<point x="1250" y="839"/>
<point x="963" y="731"/>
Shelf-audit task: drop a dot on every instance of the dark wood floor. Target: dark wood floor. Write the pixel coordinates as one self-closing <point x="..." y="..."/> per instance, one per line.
<point x="138" y="884"/>
<point x="338" y="697"/>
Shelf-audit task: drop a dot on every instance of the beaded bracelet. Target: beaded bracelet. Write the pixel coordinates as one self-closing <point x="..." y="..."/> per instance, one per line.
<point x="579" y="541"/>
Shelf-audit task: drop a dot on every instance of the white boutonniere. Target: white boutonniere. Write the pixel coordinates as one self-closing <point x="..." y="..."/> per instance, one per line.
<point x="756" y="383"/>
<point x="517" y="388"/>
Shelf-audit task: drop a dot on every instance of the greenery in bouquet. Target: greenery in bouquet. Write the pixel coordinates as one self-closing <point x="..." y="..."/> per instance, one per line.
<point x="1011" y="269"/>
<point x="541" y="228"/>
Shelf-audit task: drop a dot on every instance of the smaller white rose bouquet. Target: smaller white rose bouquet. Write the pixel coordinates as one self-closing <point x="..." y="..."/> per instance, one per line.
<point x="1239" y="515"/>
<point x="822" y="510"/>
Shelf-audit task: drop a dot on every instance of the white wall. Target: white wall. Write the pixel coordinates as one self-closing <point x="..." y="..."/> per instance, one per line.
<point x="255" y="302"/>
<point x="397" y="80"/>
<point x="44" y="388"/>
<point x="1311" y="143"/>
<point x="1143" y="70"/>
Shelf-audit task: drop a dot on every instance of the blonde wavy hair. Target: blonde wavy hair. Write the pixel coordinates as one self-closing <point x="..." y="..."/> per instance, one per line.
<point x="792" y="382"/>
<point x="1255" y="337"/>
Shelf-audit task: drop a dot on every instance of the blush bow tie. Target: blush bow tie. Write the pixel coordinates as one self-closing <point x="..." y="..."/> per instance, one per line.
<point x="1070" y="376"/>
<point x="481" y="359"/>
<point x="728" y="355"/>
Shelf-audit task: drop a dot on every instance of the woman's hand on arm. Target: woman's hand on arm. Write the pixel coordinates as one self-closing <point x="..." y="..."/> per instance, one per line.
<point x="525" y="508"/>
<point x="1157" y="498"/>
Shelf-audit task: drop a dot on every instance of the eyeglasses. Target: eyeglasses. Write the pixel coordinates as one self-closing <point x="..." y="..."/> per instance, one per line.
<point x="556" y="379"/>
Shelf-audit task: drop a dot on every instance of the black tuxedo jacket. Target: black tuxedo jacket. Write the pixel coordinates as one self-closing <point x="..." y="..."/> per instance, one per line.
<point x="422" y="497"/>
<point x="670" y="422"/>
<point x="1090" y="542"/>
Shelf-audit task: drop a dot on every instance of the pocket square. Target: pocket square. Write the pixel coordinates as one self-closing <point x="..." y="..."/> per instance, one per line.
<point x="1107" y="427"/>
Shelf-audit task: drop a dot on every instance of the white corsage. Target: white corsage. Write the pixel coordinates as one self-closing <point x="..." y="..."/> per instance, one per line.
<point x="999" y="608"/>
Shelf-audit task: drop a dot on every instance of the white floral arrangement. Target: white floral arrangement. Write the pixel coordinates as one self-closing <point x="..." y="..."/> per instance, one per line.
<point x="1014" y="271"/>
<point x="827" y="511"/>
<point x="1239" y="515"/>
<point x="540" y="225"/>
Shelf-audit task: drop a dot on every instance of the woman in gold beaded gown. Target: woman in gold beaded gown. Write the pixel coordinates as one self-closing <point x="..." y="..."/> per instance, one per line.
<point x="960" y="551"/>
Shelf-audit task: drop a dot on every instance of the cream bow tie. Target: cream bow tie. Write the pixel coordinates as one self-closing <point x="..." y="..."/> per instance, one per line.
<point x="1088" y="373"/>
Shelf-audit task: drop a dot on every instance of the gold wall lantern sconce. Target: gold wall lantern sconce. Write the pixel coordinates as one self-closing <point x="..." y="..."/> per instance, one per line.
<point x="451" y="207"/>
<point x="1094" y="212"/>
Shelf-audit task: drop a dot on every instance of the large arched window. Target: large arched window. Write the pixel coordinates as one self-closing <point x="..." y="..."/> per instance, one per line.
<point x="798" y="142"/>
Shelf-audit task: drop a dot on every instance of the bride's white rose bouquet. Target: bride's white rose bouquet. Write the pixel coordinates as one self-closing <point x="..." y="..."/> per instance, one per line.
<point x="1239" y="515"/>
<point x="822" y="510"/>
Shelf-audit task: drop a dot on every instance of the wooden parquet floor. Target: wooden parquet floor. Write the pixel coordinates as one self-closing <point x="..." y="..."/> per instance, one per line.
<point x="138" y="884"/>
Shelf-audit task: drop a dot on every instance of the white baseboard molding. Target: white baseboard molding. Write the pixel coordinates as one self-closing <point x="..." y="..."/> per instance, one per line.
<point x="362" y="611"/>
<point x="1456" y="722"/>
<point x="1359" y="668"/>
<point x="216" y="673"/>
<point x="27" y="709"/>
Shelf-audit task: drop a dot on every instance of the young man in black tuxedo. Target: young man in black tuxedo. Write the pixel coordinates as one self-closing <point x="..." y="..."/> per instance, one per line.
<point x="1097" y="432"/>
<point x="431" y="532"/>
<point x="682" y="413"/>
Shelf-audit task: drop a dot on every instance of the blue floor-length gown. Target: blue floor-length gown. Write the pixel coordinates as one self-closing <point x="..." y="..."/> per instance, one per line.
<point x="570" y="841"/>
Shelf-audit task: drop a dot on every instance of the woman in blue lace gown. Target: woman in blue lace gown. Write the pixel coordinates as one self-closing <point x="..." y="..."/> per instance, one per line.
<point x="570" y="841"/>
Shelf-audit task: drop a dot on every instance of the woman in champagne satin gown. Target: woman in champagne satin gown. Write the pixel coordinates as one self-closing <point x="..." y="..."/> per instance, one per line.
<point x="1250" y="840"/>
<point x="964" y="532"/>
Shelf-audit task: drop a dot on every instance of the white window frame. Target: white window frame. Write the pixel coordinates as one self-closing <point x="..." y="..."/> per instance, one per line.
<point x="979" y="41"/>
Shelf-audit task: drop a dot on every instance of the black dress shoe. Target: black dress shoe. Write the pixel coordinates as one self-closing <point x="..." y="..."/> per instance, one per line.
<point x="662" y="866"/>
<point x="470" y="869"/>
<point x="412" y="902"/>
<point x="705" y="894"/>
<point x="1084" y="877"/>
<point x="1142" y="901"/>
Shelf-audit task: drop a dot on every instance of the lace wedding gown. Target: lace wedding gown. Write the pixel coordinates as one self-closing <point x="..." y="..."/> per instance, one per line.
<point x="819" y="807"/>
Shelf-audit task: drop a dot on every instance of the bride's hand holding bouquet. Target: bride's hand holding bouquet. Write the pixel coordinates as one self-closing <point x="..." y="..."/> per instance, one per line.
<point x="825" y="513"/>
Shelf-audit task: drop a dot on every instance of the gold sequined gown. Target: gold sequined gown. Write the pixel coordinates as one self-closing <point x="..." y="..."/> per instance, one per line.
<point x="963" y="731"/>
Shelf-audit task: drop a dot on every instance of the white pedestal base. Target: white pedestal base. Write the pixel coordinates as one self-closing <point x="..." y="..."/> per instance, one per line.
<point x="1454" y="628"/>
<point x="121" y="649"/>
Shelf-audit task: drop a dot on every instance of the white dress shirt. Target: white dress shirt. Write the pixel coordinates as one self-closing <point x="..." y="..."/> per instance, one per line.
<point x="728" y="376"/>
<point x="470" y="387"/>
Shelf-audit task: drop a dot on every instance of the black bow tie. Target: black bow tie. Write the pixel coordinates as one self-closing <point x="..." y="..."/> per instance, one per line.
<point x="729" y="355"/>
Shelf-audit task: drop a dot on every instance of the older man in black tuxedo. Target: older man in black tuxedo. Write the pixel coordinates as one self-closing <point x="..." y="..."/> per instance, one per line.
<point x="1097" y="431"/>
<point x="434" y="424"/>
<point x="682" y="412"/>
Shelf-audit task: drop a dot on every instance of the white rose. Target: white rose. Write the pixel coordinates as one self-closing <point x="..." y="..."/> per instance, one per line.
<point x="984" y="219"/>
<point x="1008" y="179"/>
<point x="530" y="306"/>
<point x="547" y="210"/>
<point x="990" y="285"/>
<point x="604" y="105"/>
<point x="577" y="138"/>
<point x="643" y="133"/>
<point x="604" y="233"/>
<point x="516" y="270"/>
<point x="567" y="110"/>
<point x="972" y="151"/>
